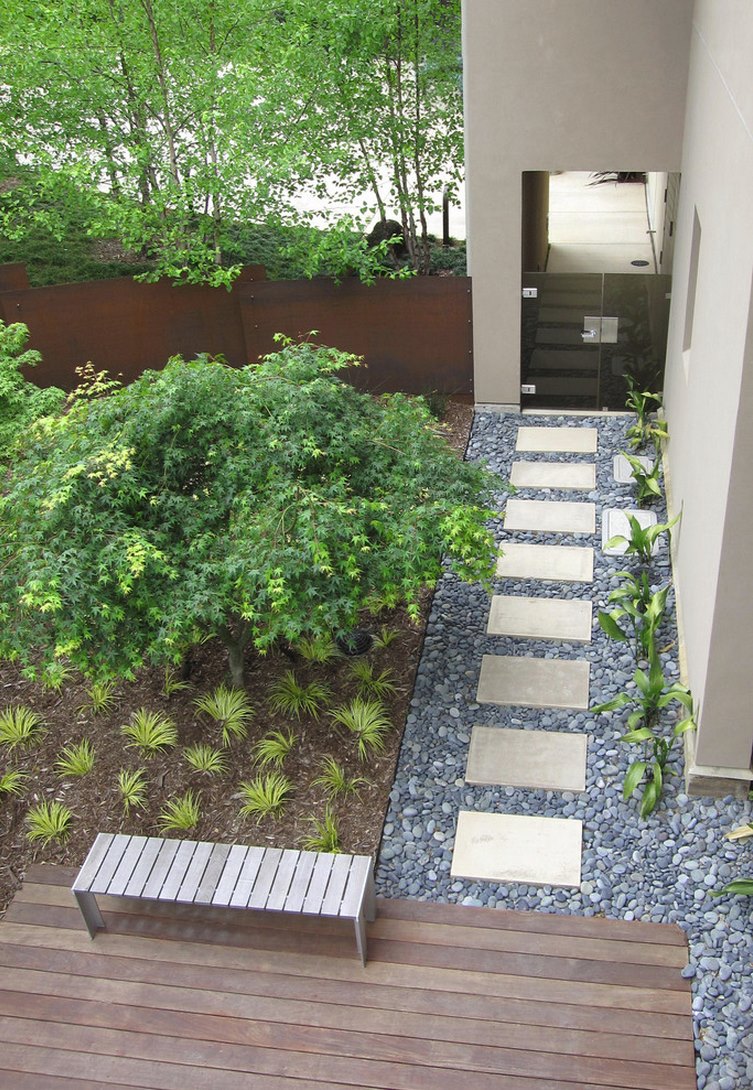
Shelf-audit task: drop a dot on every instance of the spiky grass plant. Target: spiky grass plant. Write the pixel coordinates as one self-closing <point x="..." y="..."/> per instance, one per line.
<point x="12" y="782"/>
<point x="368" y="721"/>
<point x="369" y="683"/>
<point x="76" y="760"/>
<point x="265" y="795"/>
<point x="385" y="637"/>
<point x="335" y="780"/>
<point x="48" y="821"/>
<point x="206" y="759"/>
<point x="100" y="698"/>
<point x="132" y="788"/>
<point x="150" y="732"/>
<point x="180" y="814"/>
<point x="325" y="836"/>
<point x="19" y="726"/>
<point x="172" y="683"/>
<point x="288" y="697"/>
<point x="318" y="649"/>
<point x="56" y="674"/>
<point x="230" y="709"/>
<point x="274" y="748"/>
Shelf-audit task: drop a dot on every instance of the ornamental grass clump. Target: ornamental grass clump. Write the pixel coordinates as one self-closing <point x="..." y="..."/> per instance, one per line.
<point x="48" y="821"/>
<point x="265" y="795"/>
<point x="150" y="732"/>
<point x="229" y="709"/>
<point x="368" y="721"/>
<point x="289" y="697"/>
<point x="20" y="726"/>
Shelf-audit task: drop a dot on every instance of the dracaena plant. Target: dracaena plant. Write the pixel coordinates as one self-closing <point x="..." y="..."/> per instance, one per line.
<point x="642" y="540"/>
<point x="647" y="480"/>
<point x="644" y="609"/>
<point x="650" y="697"/>
<point x="647" y="427"/>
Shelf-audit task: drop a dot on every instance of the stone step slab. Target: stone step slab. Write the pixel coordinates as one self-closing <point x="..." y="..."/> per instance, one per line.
<point x="552" y="440"/>
<point x="560" y="335"/>
<point x="538" y="851"/>
<point x="554" y="563"/>
<point x="555" y="359"/>
<point x="533" y="682"/>
<point x="552" y="516"/>
<point x="615" y="521"/>
<point x="537" y="759"/>
<point x="623" y="471"/>
<point x="540" y="618"/>
<point x="580" y="476"/>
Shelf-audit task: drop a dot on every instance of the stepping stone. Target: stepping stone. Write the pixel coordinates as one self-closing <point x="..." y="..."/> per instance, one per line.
<point x="555" y="516"/>
<point x="553" y="359"/>
<point x="567" y="440"/>
<point x="623" y="471"/>
<point x="539" y="759"/>
<point x="553" y="386"/>
<point x="560" y="335"/>
<point x="580" y="475"/>
<point x="540" y="618"/>
<point x="532" y="682"/>
<point x="615" y="521"/>
<point x="563" y="315"/>
<point x="538" y="851"/>
<point x="559" y="563"/>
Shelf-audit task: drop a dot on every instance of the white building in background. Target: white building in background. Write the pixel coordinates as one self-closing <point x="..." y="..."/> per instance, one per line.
<point x="663" y="86"/>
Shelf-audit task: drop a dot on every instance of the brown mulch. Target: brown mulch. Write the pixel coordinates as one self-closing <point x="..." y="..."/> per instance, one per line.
<point x="95" y="799"/>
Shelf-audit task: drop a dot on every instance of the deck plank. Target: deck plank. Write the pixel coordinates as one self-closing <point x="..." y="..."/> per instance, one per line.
<point x="220" y="999"/>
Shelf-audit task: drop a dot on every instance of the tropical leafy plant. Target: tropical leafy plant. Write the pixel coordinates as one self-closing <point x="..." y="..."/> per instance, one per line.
<point x="368" y="721"/>
<point x="204" y="758"/>
<point x="651" y="696"/>
<point x="132" y="787"/>
<point x="289" y="697"/>
<point x="100" y="697"/>
<point x="19" y="726"/>
<point x="644" y="608"/>
<point x="325" y="836"/>
<point x="370" y="683"/>
<point x="642" y="540"/>
<point x="647" y="427"/>
<point x="274" y="748"/>
<point x="180" y="814"/>
<point x="12" y="781"/>
<point x="230" y="709"/>
<point x="265" y="795"/>
<point x="48" y="821"/>
<point x="647" y="480"/>
<point x="150" y="732"/>
<point x="335" y="779"/>
<point x="76" y="760"/>
<point x="742" y="886"/>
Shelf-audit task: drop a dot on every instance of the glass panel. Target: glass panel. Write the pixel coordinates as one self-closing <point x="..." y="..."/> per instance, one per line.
<point x="641" y="303"/>
<point x="558" y="366"/>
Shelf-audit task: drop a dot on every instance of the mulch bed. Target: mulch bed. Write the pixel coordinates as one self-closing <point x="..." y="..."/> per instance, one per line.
<point x="95" y="799"/>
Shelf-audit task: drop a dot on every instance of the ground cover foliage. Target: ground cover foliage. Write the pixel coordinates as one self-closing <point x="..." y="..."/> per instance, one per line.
<point x="146" y="733"/>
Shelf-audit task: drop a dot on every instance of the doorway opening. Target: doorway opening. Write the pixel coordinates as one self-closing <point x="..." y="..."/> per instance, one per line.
<point x="596" y="254"/>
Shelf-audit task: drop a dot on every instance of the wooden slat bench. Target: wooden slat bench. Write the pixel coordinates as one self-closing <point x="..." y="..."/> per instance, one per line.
<point x="227" y="876"/>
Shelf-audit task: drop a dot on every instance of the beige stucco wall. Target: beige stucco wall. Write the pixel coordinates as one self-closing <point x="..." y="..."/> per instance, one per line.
<point x="556" y="85"/>
<point x="709" y="388"/>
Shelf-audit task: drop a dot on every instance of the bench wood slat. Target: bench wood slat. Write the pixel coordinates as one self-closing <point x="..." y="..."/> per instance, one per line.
<point x="318" y="884"/>
<point x="249" y="872"/>
<point x="125" y="867"/>
<point x="93" y="861"/>
<point x="279" y="892"/>
<point x="194" y="874"/>
<point x="354" y="890"/>
<point x="338" y="878"/>
<point x="230" y="873"/>
<point x="265" y="880"/>
<point x="177" y="872"/>
<point x="101" y="882"/>
<point x="211" y="877"/>
<point x="300" y="884"/>
<point x="143" y="868"/>
<point x="162" y="864"/>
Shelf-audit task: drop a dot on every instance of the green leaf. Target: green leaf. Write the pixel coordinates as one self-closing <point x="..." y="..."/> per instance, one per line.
<point x="741" y="886"/>
<point x="650" y="799"/>
<point x="609" y="625"/>
<point x="644" y="734"/>
<point x="633" y="777"/>
<point x="618" y="701"/>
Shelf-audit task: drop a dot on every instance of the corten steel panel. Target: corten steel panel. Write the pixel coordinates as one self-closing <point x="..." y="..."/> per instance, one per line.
<point x="13" y="276"/>
<point x="124" y="327"/>
<point x="415" y="335"/>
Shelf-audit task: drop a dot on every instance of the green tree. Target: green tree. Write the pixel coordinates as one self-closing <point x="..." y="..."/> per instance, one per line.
<point x="21" y="402"/>
<point x="256" y="505"/>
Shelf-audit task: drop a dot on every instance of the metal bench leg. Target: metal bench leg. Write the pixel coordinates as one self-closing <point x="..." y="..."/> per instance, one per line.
<point x="360" y="923"/>
<point x="90" y="911"/>
<point x="370" y="898"/>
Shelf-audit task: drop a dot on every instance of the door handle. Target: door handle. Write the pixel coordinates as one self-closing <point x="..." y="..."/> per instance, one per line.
<point x="589" y="334"/>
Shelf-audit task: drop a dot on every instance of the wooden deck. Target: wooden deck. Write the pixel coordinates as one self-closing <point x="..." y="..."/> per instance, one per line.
<point x="451" y="998"/>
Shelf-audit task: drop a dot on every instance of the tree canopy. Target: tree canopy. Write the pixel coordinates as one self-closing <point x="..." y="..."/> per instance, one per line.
<point x="256" y="504"/>
<point x="181" y="122"/>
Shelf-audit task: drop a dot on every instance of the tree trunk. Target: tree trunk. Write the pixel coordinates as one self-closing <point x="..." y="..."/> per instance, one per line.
<point x="235" y="636"/>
